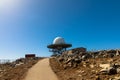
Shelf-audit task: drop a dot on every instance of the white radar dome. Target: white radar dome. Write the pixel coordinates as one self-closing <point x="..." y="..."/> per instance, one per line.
<point x="59" y="40"/>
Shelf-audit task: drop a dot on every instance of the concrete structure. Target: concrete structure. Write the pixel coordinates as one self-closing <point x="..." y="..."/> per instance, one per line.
<point x="30" y="56"/>
<point x="76" y="50"/>
<point x="79" y="49"/>
<point x="58" y="45"/>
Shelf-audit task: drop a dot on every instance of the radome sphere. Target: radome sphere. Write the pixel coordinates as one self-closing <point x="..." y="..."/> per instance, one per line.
<point x="59" y="40"/>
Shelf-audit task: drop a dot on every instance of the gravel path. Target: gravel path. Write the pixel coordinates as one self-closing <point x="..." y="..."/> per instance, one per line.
<point x="41" y="71"/>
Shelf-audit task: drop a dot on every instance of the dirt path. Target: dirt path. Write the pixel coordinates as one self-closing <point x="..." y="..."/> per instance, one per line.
<point x="41" y="71"/>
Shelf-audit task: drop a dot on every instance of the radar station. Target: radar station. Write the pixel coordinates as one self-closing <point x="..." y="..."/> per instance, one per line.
<point x="58" y="45"/>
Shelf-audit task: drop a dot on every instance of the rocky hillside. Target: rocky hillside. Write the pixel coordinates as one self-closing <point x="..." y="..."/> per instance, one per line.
<point x="16" y="70"/>
<point x="100" y="65"/>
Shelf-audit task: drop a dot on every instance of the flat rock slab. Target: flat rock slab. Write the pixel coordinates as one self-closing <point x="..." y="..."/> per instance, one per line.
<point x="104" y="66"/>
<point x="41" y="71"/>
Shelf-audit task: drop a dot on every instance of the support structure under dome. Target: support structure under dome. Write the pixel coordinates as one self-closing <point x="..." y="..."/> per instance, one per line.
<point x="58" y="46"/>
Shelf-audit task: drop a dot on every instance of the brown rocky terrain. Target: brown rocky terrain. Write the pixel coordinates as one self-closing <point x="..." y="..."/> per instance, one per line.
<point x="101" y="65"/>
<point x="16" y="70"/>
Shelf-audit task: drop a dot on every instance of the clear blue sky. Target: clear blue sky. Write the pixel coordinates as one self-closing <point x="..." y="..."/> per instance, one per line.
<point x="28" y="26"/>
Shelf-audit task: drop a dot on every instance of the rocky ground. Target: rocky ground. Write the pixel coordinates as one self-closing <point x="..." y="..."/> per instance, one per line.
<point x="16" y="70"/>
<point x="100" y="65"/>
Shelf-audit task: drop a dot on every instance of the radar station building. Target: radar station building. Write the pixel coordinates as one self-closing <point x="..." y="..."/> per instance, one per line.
<point x="59" y="45"/>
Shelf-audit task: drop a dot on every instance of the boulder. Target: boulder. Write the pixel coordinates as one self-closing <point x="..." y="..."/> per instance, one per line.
<point x="104" y="71"/>
<point x="109" y="71"/>
<point x="112" y="71"/>
<point x="104" y="66"/>
<point x="118" y="70"/>
<point x="117" y="53"/>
